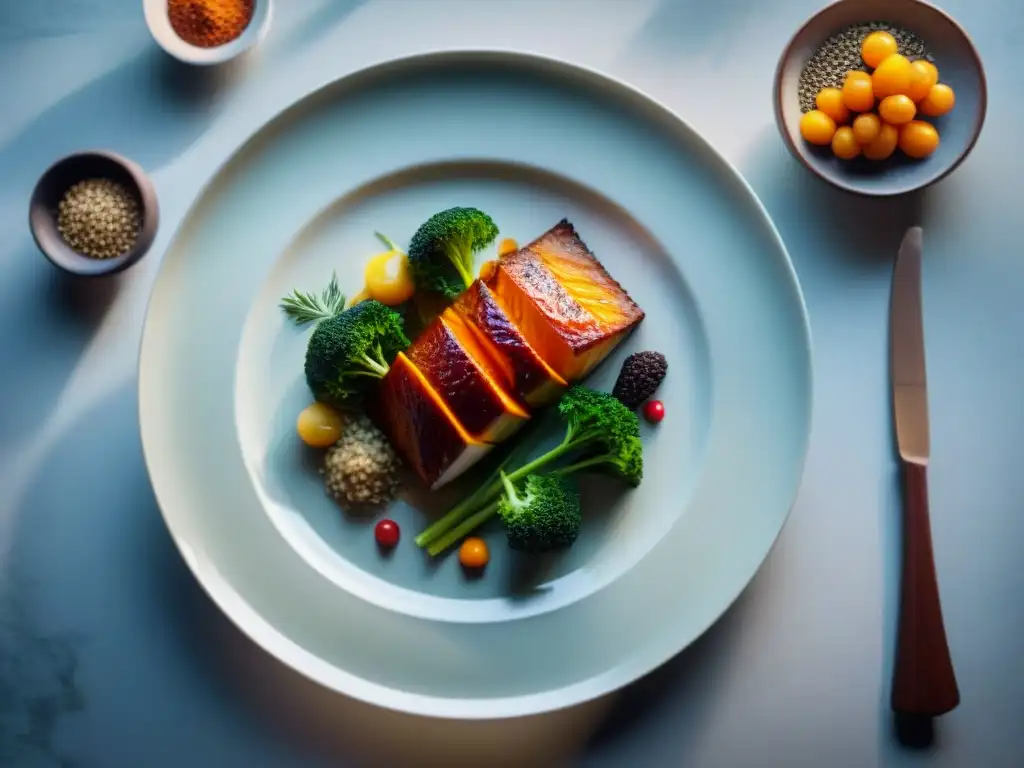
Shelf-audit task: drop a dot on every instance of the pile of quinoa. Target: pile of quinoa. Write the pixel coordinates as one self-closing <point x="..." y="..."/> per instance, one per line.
<point x="361" y="469"/>
<point x="840" y="53"/>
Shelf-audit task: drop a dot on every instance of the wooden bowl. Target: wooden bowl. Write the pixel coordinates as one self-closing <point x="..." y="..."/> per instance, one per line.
<point x="68" y="171"/>
<point x="959" y="66"/>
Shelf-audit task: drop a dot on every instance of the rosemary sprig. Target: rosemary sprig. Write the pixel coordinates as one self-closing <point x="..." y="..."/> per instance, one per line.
<point x="304" y="308"/>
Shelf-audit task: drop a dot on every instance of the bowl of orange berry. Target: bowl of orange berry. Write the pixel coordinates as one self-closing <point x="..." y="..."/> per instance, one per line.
<point x="880" y="97"/>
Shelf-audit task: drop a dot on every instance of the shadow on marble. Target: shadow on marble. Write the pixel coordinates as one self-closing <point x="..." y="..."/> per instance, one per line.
<point x="149" y="108"/>
<point x="47" y="319"/>
<point x="821" y="225"/>
<point x="326" y="18"/>
<point x="691" y="29"/>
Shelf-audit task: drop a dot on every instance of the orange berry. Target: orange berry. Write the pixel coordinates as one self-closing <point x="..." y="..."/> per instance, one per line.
<point x="844" y="143"/>
<point x="897" y="109"/>
<point x="939" y="101"/>
<point x="918" y="139"/>
<point x="474" y="553"/>
<point x="884" y="144"/>
<point x="319" y="425"/>
<point x="830" y="101"/>
<point x="892" y="76"/>
<point x="858" y="93"/>
<point x="876" y="46"/>
<point x="817" y="128"/>
<point x="866" y="127"/>
<point x="923" y="76"/>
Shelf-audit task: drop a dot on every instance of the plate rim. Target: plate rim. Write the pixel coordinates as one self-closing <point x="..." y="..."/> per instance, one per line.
<point x="274" y="642"/>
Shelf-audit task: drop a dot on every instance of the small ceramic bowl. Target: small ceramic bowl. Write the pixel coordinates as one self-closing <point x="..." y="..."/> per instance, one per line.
<point x="160" y="26"/>
<point x="68" y="171"/>
<point x="959" y="66"/>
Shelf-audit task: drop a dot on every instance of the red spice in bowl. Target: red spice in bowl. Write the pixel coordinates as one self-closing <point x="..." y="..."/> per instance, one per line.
<point x="209" y="23"/>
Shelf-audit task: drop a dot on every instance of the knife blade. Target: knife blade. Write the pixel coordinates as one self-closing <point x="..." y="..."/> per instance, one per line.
<point x="906" y="350"/>
<point x="924" y="683"/>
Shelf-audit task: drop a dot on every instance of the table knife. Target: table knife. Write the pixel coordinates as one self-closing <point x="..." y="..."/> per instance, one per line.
<point x="924" y="683"/>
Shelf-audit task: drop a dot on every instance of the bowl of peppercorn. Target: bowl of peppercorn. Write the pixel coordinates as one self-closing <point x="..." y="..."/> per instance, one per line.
<point x="880" y="97"/>
<point x="207" y="32"/>
<point x="94" y="213"/>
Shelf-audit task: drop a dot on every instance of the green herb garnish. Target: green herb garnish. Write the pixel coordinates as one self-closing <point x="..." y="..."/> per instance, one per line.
<point x="305" y="308"/>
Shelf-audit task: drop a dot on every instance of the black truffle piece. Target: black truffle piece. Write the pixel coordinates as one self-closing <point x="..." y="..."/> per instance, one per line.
<point x="640" y="377"/>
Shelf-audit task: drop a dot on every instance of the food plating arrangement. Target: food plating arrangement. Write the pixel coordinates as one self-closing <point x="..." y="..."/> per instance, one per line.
<point x="488" y="354"/>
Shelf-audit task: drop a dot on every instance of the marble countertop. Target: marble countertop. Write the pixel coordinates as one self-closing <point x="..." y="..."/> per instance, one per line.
<point x="110" y="654"/>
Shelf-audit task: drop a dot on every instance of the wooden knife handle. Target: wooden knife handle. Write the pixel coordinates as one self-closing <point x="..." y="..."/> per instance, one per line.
<point x="923" y="680"/>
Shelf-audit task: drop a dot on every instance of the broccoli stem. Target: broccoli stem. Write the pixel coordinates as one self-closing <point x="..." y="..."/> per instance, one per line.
<point x="434" y="530"/>
<point x="463" y="261"/>
<point x="378" y="365"/>
<point x="469" y="525"/>
<point x="510" y="491"/>
<point x="489" y="491"/>
<point x="584" y="464"/>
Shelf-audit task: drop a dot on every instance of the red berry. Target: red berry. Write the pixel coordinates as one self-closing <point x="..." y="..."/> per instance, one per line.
<point x="386" y="532"/>
<point x="654" y="411"/>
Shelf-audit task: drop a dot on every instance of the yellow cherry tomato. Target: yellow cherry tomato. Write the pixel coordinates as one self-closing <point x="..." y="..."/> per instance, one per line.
<point x="866" y="127"/>
<point x="897" y="109"/>
<point x="319" y="425"/>
<point x="389" y="279"/>
<point x="876" y="46"/>
<point x="830" y="101"/>
<point x="939" y="101"/>
<point x="892" y="76"/>
<point x="884" y="144"/>
<point x="918" y="139"/>
<point x="844" y="143"/>
<point x="507" y="245"/>
<point x="858" y="92"/>
<point x="817" y="128"/>
<point x="473" y="553"/>
<point x="923" y="76"/>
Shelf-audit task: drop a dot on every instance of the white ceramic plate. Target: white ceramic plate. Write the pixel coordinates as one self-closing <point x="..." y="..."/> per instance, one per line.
<point x="529" y="140"/>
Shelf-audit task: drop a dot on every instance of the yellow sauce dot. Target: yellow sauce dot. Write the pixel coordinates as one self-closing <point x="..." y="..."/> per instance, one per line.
<point x="363" y="295"/>
<point x="507" y="246"/>
<point x="487" y="269"/>
<point x="319" y="425"/>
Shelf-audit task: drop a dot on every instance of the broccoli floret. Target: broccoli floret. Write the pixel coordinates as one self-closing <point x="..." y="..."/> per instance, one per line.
<point x="545" y="516"/>
<point x="441" y="252"/>
<point x="601" y="432"/>
<point x="348" y="352"/>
